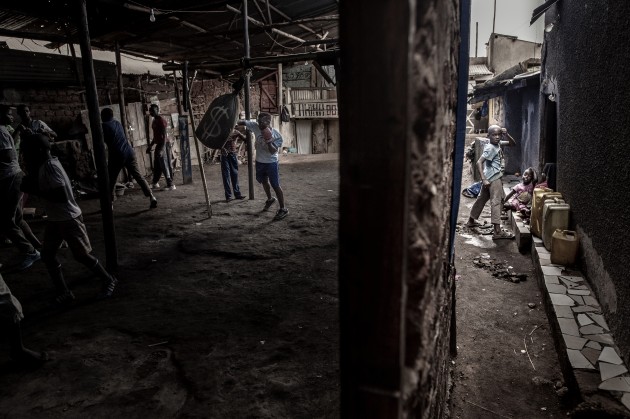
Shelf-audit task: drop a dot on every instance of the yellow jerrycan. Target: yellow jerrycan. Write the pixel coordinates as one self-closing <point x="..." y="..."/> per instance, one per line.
<point x="540" y="194"/>
<point x="555" y="216"/>
<point x="564" y="247"/>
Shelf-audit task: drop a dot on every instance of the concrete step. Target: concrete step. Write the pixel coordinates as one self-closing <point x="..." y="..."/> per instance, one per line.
<point x="597" y="379"/>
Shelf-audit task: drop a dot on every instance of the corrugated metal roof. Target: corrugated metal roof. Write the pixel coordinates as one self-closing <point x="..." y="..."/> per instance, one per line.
<point x="130" y="64"/>
<point x="478" y="70"/>
<point x="182" y="30"/>
<point x="32" y="67"/>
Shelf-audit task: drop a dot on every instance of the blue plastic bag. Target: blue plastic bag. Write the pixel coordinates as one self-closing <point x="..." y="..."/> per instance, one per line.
<point x="473" y="190"/>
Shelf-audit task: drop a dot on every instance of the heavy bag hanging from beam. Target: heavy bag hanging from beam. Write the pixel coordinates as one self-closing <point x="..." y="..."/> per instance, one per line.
<point x="218" y="121"/>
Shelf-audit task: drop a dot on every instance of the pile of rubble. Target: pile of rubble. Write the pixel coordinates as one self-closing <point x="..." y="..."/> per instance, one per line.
<point x="500" y="270"/>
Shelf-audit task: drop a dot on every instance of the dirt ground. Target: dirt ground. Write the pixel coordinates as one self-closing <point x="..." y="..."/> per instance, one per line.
<point x="232" y="316"/>
<point x="236" y="316"/>
<point x="507" y="365"/>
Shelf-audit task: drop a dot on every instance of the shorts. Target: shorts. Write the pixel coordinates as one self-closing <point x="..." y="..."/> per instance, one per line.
<point x="72" y="231"/>
<point x="268" y="171"/>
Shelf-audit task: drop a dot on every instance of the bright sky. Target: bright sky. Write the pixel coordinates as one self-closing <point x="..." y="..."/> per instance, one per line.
<point x="512" y="18"/>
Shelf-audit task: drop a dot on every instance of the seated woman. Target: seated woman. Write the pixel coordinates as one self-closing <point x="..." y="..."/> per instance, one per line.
<point x="520" y="196"/>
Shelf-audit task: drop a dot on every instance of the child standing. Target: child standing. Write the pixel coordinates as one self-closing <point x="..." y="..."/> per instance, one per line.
<point x="268" y="142"/>
<point x="229" y="166"/>
<point x="47" y="178"/>
<point x="491" y="166"/>
<point x="520" y="197"/>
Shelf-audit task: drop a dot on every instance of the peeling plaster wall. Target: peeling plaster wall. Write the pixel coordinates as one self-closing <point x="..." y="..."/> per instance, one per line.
<point x="428" y="310"/>
<point x="587" y="52"/>
<point x="505" y="51"/>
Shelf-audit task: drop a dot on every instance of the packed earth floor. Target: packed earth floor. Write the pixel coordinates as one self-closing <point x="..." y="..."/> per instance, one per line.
<point x="232" y="316"/>
<point x="507" y="365"/>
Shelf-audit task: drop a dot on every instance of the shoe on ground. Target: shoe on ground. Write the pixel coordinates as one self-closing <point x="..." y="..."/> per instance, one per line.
<point x="228" y="199"/>
<point x="171" y="188"/>
<point x="269" y="203"/>
<point x="241" y="197"/>
<point x="29" y="259"/>
<point x="108" y="288"/>
<point x="282" y="212"/>
<point x="153" y="203"/>
<point x="155" y="186"/>
<point x="64" y="300"/>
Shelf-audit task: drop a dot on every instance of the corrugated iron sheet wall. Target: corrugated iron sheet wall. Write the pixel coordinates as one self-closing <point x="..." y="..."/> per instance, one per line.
<point x="36" y="68"/>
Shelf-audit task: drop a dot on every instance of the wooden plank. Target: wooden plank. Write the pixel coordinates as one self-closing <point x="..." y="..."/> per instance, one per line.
<point x="333" y="135"/>
<point x="319" y="137"/>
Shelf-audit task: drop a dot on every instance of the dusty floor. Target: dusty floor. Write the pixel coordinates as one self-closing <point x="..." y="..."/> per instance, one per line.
<point x="237" y="316"/>
<point x="233" y="316"/>
<point x="507" y="365"/>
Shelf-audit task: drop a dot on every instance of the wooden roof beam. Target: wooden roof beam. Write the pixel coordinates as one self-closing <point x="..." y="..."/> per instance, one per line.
<point x="325" y="56"/>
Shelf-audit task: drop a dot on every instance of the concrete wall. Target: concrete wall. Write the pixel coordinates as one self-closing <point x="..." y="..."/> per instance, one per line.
<point x="395" y="285"/>
<point x="584" y="66"/>
<point x="506" y="51"/>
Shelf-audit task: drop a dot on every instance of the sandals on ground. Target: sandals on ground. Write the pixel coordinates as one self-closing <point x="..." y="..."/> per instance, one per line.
<point x="503" y="234"/>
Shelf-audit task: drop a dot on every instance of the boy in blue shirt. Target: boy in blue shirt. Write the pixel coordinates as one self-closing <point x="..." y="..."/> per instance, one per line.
<point x="491" y="166"/>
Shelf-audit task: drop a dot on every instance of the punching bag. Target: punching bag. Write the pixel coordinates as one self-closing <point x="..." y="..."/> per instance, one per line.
<point x="218" y="121"/>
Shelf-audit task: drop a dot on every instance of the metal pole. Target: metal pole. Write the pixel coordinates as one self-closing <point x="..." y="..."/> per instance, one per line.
<point x="494" y="15"/>
<point x="280" y="100"/>
<point x="250" y="151"/>
<point x="111" y="252"/>
<point x="199" y="160"/>
<point x="121" y="94"/>
<point x="477" y="39"/>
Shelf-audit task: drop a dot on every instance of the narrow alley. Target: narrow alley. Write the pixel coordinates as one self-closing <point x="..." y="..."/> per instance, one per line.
<point x="506" y="365"/>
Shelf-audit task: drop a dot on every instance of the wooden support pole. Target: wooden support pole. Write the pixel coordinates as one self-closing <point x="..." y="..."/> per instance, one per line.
<point x="199" y="159"/>
<point x="184" y="138"/>
<point x="121" y="95"/>
<point x="177" y="95"/>
<point x="185" y="85"/>
<point x="323" y="73"/>
<point x="111" y="252"/>
<point x="250" y="148"/>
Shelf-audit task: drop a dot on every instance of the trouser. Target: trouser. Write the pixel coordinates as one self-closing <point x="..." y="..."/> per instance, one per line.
<point x="11" y="213"/>
<point x="162" y="164"/>
<point x="229" y="172"/>
<point x="131" y="164"/>
<point x="494" y="193"/>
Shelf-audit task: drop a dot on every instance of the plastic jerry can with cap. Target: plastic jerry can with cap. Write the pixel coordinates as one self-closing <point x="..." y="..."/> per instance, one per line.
<point x="537" y="207"/>
<point x="555" y="216"/>
<point x="564" y="247"/>
<point x="536" y="202"/>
